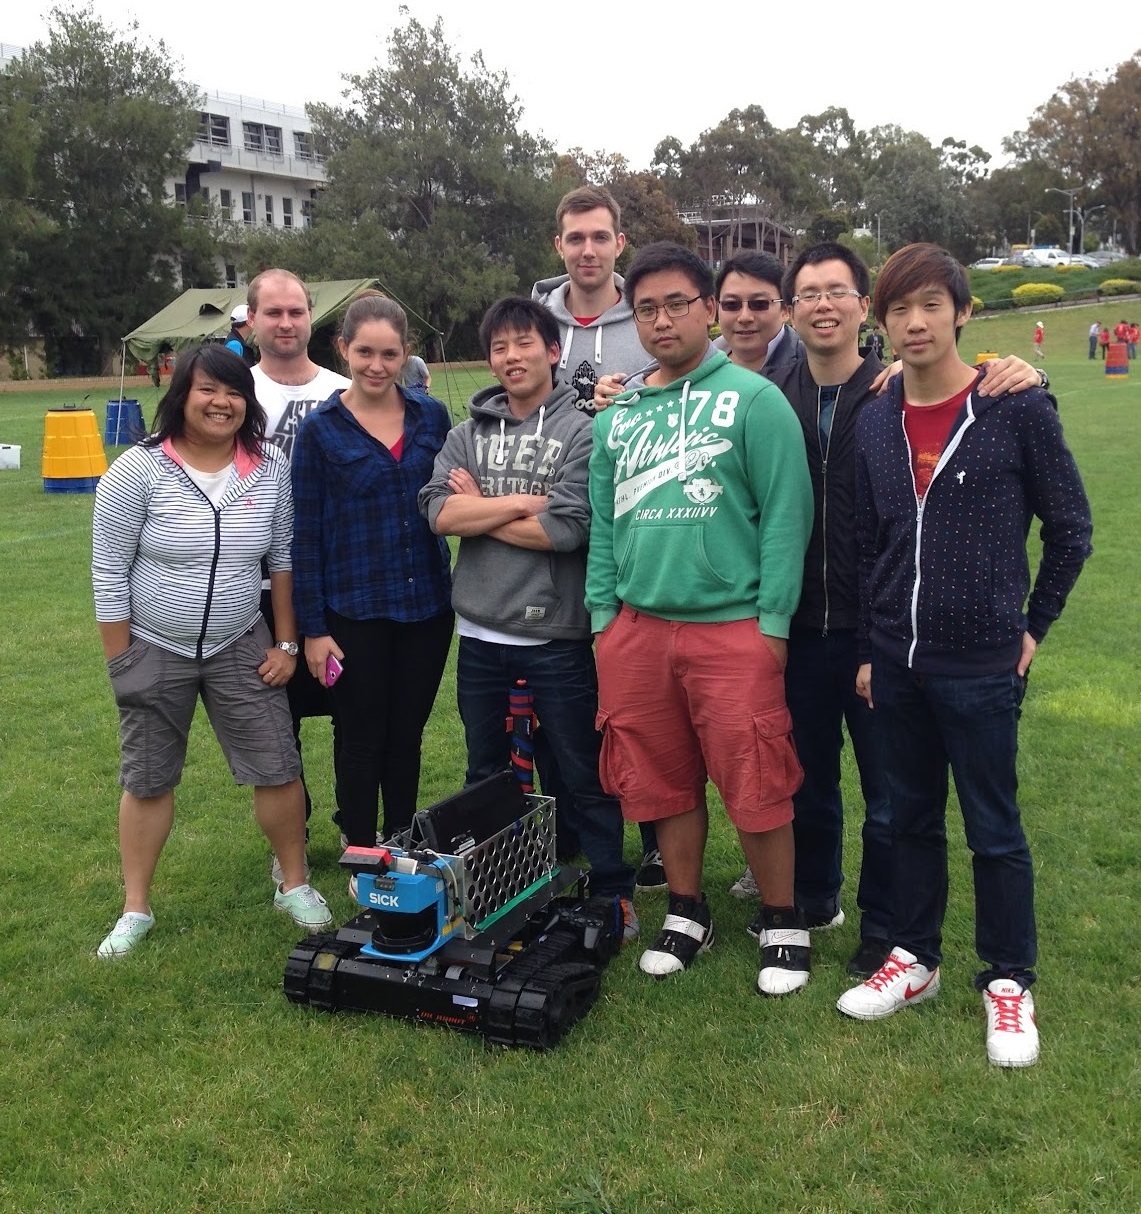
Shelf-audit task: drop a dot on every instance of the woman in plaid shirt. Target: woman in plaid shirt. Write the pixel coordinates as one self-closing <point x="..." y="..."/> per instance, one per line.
<point x="372" y="586"/>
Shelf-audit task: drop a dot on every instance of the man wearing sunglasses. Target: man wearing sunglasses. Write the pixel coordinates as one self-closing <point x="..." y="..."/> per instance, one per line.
<point x="752" y="313"/>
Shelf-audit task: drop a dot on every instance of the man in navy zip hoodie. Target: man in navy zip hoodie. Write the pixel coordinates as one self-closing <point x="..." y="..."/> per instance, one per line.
<point x="947" y="484"/>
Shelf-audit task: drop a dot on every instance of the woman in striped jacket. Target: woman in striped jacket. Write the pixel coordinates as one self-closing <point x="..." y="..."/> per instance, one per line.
<point x="181" y="524"/>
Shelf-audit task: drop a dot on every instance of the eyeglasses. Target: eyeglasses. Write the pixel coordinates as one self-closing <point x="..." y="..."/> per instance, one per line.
<point x="754" y="305"/>
<point x="648" y="313"/>
<point x="835" y="295"/>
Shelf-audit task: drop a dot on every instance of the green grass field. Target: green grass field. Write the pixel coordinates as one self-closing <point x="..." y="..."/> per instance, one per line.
<point x="180" y="1079"/>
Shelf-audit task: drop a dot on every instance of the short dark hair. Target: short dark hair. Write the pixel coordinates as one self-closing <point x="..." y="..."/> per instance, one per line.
<point x="588" y="198"/>
<point x="756" y="265"/>
<point x="227" y="368"/>
<point x="665" y="255"/>
<point x="916" y="266"/>
<point x="828" y="250"/>
<point x="518" y="314"/>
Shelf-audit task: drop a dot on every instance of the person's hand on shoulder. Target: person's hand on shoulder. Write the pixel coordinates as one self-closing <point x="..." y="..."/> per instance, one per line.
<point x="1010" y="374"/>
<point x="606" y="389"/>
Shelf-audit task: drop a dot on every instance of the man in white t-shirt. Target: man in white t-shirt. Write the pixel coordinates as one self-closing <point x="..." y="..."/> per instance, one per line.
<point x="288" y="385"/>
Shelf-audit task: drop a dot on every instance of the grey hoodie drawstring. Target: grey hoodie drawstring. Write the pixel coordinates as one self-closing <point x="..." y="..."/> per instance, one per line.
<point x="567" y="345"/>
<point x="539" y="427"/>
<point x="681" y="433"/>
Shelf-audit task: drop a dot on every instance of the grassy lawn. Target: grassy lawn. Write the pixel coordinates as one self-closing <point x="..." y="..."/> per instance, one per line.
<point x="180" y="1079"/>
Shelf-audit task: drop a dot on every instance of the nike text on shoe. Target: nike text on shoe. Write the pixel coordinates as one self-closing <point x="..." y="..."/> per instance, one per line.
<point x="899" y="982"/>
<point x="786" y="952"/>
<point x="1011" y="1027"/>
<point x="686" y="932"/>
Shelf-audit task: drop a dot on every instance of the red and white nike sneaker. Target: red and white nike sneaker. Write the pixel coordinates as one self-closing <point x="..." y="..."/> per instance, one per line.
<point x="899" y="982"/>
<point x="1011" y="1027"/>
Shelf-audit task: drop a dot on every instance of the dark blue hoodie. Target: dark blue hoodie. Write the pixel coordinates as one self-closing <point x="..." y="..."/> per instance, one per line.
<point x="944" y="584"/>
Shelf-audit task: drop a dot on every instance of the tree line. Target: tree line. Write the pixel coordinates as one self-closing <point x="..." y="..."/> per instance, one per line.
<point x="436" y="187"/>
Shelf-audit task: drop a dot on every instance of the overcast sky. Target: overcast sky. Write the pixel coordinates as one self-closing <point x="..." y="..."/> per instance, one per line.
<point x="622" y="76"/>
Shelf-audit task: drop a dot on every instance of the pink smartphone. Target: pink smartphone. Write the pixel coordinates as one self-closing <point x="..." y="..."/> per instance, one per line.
<point x="333" y="670"/>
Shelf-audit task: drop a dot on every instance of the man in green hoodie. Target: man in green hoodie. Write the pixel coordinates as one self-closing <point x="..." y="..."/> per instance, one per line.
<point x="701" y="512"/>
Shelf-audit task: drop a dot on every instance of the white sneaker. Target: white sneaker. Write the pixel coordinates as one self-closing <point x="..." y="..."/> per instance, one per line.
<point x="129" y="929"/>
<point x="745" y="887"/>
<point x="899" y="982"/>
<point x="1011" y="1027"/>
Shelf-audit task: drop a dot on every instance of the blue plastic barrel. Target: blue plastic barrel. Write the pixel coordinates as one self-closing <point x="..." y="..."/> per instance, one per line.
<point x="125" y="423"/>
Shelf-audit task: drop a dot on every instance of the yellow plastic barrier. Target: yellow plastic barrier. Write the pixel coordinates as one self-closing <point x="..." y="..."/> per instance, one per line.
<point x="74" y="458"/>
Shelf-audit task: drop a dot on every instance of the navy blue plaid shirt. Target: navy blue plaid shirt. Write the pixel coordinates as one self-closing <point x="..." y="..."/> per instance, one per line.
<point x="360" y="546"/>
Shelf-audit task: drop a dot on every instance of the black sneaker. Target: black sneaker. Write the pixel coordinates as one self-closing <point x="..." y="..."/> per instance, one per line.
<point x="786" y="952"/>
<point x="651" y="875"/>
<point x="869" y="957"/>
<point x="687" y="931"/>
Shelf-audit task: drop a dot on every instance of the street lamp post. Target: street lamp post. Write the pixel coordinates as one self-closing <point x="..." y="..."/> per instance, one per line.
<point x="1082" y="217"/>
<point x="1053" y="189"/>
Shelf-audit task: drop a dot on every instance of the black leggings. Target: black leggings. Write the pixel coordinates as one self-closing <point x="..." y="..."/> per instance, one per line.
<point x="380" y="706"/>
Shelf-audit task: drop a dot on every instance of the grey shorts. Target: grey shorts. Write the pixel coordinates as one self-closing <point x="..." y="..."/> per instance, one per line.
<point x="157" y="692"/>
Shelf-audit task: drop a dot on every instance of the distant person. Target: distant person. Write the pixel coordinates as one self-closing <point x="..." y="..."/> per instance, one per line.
<point x="1121" y="331"/>
<point x="240" y="332"/>
<point x="416" y="373"/>
<point x="1103" y="340"/>
<point x="1039" y="340"/>
<point x="182" y="523"/>
<point x="947" y="483"/>
<point x="289" y="386"/>
<point x="1132" y="337"/>
<point x="1094" y="330"/>
<point x="371" y="582"/>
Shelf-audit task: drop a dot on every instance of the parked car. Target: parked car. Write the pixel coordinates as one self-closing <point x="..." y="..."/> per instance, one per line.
<point x="1039" y="258"/>
<point x="986" y="263"/>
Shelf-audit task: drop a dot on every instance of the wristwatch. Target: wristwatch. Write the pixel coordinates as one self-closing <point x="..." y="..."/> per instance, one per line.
<point x="1043" y="378"/>
<point x="290" y="647"/>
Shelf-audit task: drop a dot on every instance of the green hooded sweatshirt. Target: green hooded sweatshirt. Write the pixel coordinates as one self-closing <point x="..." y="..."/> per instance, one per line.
<point x="699" y="514"/>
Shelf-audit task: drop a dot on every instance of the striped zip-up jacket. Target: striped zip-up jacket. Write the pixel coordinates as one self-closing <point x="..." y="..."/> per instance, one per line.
<point x="186" y="574"/>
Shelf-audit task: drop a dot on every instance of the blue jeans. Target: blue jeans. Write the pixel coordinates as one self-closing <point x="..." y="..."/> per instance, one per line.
<point x="563" y="680"/>
<point x="820" y="687"/>
<point x="969" y="724"/>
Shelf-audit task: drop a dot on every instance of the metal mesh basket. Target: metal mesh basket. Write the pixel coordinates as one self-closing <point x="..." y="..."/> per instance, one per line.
<point x="502" y="867"/>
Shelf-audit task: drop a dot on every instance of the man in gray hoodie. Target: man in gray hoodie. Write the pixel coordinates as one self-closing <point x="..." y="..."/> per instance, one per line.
<point x="598" y="337"/>
<point x="596" y="326"/>
<point x="511" y="482"/>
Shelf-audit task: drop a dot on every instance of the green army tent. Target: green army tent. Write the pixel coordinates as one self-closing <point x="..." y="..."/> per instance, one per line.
<point x="202" y="312"/>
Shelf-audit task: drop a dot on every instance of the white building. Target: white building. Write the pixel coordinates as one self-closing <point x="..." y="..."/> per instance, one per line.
<point x="255" y="161"/>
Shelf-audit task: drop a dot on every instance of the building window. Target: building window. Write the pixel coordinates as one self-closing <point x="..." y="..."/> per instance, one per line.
<point x="205" y="193"/>
<point x="259" y="138"/>
<point x="226" y="203"/>
<point x="247" y="207"/>
<point x="306" y="212"/>
<point x="287" y="212"/>
<point x="269" y="210"/>
<point x="180" y="193"/>
<point x="231" y="275"/>
<point x="214" y="129"/>
<point x="303" y="146"/>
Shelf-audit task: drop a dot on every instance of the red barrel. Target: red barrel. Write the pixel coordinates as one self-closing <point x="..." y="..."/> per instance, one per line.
<point x="1117" y="359"/>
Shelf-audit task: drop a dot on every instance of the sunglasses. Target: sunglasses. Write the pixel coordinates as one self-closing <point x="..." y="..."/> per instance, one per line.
<point x="754" y="305"/>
